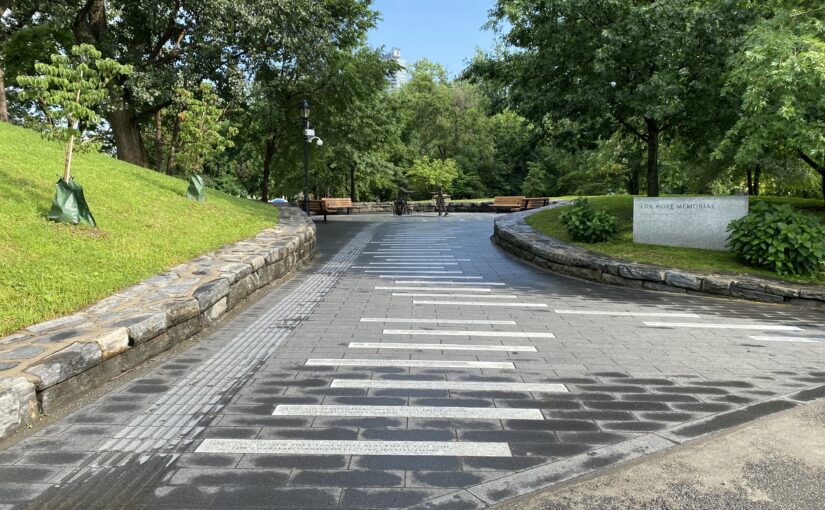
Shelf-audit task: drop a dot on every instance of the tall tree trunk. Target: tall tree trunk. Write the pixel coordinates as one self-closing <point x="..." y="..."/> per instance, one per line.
<point x="173" y="146"/>
<point x="634" y="180"/>
<point x="820" y="169"/>
<point x="756" y="175"/>
<point x="652" y="158"/>
<point x="126" y="130"/>
<point x="269" y="152"/>
<point x="750" y="180"/>
<point x="352" y="183"/>
<point x="158" y="142"/>
<point x="4" y="111"/>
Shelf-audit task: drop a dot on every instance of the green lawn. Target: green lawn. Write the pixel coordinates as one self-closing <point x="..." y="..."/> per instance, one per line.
<point x="145" y="225"/>
<point x="623" y="247"/>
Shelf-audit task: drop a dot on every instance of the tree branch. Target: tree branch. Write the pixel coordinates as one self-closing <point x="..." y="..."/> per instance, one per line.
<point x="813" y="164"/>
<point x="632" y="129"/>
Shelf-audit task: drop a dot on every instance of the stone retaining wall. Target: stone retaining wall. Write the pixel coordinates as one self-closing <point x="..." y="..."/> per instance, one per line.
<point x="513" y="234"/>
<point x="47" y="364"/>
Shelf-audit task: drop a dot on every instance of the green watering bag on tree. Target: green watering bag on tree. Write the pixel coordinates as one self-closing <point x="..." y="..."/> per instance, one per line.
<point x="197" y="190"/>
<point x="69" y="205"/>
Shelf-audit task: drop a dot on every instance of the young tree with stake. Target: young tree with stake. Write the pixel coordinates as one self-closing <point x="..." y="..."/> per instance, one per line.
<point x="71" y="87"/>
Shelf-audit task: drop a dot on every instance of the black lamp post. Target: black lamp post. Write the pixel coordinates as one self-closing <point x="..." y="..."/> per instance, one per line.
<point x="305" y="117"/>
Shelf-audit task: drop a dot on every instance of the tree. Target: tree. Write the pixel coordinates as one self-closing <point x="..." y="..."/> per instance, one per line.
<point x="433" y="173"/>
<point x="536" y="184"/>
<point x="72" y="86"/>
<point x="168" y="43"/>
<point x="649" y="68"/>
<point x="201" y="133"/>
<point x="30" y="31"/>
<point x="779" y="75"/>
<point x="292" y="51"/>
<point x="360" y="131"/>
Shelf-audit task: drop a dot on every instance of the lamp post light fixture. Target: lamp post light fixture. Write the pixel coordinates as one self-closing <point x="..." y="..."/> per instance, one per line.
<point x="305" y="117"/>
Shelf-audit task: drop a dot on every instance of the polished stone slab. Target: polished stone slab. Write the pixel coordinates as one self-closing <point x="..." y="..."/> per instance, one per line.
<point x="449" y="385"/>
<point x="446" y="332"/>
<point x="504" y="365"/>
<point x="699" y="325"/>
<point x="333" y="447"/>
<point x="442" y="347"/>
<point x="493" y="413"/>
<point x="438" y="321"/>
<point x="480" y="303"/>
<point x="691" y="222"/>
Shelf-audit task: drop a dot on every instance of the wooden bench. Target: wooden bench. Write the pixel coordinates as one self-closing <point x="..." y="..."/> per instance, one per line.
<point x="509" y="203"/>
<point x="315" y="207"/>
<point x="535" y="203"/>
<point x="334" y="205"/>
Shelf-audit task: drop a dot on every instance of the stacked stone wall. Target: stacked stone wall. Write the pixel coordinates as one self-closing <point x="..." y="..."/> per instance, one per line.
<point x="46" y="365"/>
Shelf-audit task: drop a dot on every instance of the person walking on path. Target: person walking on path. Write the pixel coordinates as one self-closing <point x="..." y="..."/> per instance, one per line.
<point x="440" y="201"/>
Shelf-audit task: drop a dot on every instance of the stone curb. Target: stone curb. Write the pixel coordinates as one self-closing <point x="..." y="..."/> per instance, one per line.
<point x="46" y="365"/>
<point x="513" y="234"/>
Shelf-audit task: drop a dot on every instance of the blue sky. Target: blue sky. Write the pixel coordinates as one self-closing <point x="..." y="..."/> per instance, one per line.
<point x="443" y="31"/>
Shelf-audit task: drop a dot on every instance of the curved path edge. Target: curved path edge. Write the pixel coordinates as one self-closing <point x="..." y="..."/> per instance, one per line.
<point x="514" y="235"/>
<point x="46" y="365"/>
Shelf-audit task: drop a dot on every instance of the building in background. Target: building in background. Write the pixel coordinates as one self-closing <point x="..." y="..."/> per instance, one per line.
<point x="400" y="77"/>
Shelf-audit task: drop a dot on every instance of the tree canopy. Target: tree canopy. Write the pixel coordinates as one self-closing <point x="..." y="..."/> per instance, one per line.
<point x="578" y="97"/>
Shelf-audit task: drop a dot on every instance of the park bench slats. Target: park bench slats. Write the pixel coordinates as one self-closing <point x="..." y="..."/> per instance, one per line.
<point x="535" y="203"/>
<point x="509" y="203"/>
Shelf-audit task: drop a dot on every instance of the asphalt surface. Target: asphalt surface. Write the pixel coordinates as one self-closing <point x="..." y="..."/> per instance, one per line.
<point x="309" y="399"/>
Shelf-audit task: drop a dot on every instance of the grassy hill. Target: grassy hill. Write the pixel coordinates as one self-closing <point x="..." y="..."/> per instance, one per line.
<point x="145" y="225"/>
<point x="622" y="245"/>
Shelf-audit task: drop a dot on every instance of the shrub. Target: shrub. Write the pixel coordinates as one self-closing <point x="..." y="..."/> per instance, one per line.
<point x="586" y="224"/>
<point x="776" y="237"/>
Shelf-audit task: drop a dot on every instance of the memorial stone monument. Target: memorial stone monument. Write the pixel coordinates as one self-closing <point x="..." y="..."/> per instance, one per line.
<point x="688" y="222"/>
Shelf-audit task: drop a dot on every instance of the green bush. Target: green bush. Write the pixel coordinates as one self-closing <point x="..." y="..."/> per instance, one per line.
<point x="586" y="224"/>
<point x="779" y="238"/>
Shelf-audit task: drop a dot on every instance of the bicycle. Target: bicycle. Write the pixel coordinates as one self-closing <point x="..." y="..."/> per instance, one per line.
<point x="400" y="206"/>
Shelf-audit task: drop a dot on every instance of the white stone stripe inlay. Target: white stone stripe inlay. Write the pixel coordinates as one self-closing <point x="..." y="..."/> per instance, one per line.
<point x="450" y="283"/>
<point x="480" y="303"/>
<point x="493" y="413"/>
<point x="404" y="263"/>
<point x="442" y="347"/>
<point x="627" y="314"/>
<point x="414" y="257"/>
<point x="434" y="259"/>
<point x="333" y="447"/>
<point x="807" y="339"/>
<point x="438" y="321"/>
<point x="441" y="294"/>
<point x="405" y="244"/>
<point x="764" y="327"/>
<point x="462" y="289"/>
<point x="405" y="268"/>
<point x="449" y="385"/>
<point x="434" y="277"/>
<point x="418" y="363"/>
<point x="391" y="270"/>
<point x="452" y="332"/>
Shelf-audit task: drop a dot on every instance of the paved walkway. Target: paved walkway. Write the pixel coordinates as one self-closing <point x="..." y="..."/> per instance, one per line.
<point x="314" y="397"/>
